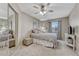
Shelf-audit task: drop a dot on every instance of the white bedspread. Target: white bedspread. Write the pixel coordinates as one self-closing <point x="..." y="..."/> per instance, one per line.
<point x="45" y="39"/>
<point x="45" y="36"/>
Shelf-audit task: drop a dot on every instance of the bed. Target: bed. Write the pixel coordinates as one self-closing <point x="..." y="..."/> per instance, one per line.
<point x="45" y="36"/>
<point x="46" y="39"/>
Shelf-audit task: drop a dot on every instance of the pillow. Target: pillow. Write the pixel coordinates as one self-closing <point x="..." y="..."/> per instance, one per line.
<point x="35" y="31"/>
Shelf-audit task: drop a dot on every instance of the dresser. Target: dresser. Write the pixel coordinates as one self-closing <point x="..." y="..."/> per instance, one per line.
<point x="77" y="44"/>
<point x="70" y="40"/>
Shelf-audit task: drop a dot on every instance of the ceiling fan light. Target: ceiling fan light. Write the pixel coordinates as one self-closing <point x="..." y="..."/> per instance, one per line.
<point x="43" y="13"/>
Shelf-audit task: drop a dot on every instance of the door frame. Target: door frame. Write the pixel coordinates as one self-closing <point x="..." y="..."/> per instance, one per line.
<point x="16" y="23"/>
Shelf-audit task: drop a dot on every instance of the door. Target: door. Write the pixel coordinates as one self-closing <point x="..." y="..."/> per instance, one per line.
<point x="4" y="29"/>
<point x="13" y="29"/>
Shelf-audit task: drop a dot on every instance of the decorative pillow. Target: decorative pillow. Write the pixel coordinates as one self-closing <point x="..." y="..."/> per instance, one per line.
<point x="35" y="31"/>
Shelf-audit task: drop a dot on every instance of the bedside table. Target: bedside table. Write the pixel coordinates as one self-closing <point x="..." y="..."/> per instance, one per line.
<point x="27" y="41"/>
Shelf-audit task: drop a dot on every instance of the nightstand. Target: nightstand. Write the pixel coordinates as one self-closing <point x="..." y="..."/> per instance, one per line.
<point x="27" y="41"/>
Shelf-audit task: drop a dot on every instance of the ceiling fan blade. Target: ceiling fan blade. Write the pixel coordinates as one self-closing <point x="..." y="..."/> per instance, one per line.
<point x="48" y="4"/>
<point x="50" y="11"/>
<point x="36" y="13"/>
<point x="36" y="7"/>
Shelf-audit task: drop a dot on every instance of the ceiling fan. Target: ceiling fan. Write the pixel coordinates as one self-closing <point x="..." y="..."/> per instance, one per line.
<point x="43" y="8"/>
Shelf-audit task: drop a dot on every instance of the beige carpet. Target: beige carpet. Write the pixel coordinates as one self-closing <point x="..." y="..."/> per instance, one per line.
<point x="4" y="51"/>
<point x="38" y="50"/>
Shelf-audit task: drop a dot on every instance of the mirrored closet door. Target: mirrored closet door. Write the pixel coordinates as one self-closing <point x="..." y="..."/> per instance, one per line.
<point x="4" y="29"/>
<point x="13" y="27"/>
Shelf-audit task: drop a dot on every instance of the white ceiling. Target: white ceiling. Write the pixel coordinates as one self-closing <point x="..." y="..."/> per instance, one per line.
<point x="60" y="10"/>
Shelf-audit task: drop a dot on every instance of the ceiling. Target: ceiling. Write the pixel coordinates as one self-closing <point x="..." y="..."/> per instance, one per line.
<point x="60" y="10"/>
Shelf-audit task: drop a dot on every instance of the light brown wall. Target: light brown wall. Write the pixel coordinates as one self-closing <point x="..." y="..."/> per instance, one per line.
<point x="64" y="26"/>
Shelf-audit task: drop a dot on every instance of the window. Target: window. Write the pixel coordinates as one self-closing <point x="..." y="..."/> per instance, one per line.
<point x="54" y="26"/>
